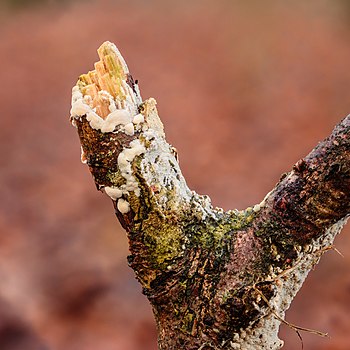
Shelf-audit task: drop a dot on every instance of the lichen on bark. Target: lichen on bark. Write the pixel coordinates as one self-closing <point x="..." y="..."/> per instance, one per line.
<point x="215" y="279"/>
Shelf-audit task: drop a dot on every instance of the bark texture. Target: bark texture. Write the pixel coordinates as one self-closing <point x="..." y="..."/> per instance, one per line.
<point x="215" y="279"/>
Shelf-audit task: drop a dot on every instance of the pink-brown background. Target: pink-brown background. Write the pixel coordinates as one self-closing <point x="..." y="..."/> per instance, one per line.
<point x="244" y="88"/>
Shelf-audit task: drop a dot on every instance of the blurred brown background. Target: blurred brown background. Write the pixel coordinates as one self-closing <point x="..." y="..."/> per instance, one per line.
<point x="245" y="88"/>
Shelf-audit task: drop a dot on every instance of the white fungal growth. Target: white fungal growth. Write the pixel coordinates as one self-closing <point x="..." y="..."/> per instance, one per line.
<point x="117" y="117"/>
<point x="112" y="107"/>
<point x="83" y="156"/>
<point x="80" y="108"/>
<point x="76" y="94"/>
<point x="121" y="108"/>
<point x="125" y="159"/>
<point x="120" y="112"/>
<point x="129" y="129"/>
<point x="113" y="192"/>
<point x="257" y="207"/>
<point x="96" y="122"/>
<point x="139" y="118"/>
<point x="123" y="206"/>
<point x="104" y="95"/>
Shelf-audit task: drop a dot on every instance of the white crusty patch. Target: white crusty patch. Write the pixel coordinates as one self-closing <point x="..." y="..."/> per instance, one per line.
<point x="139" y="118"/>
<point x="113" y="192"/>
<point x="125" y="159"/>
<point x="80" y="108"/>
<point x="122" y="113"/>
<point x="83" y="156"/>
<point x="123" y="206"/>
<point x="129" y="129"/>
<point x="118" y="117"/>
<point x="76" y="94"/>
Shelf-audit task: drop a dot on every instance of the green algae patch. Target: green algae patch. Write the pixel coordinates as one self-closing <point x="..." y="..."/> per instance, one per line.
<point x="163" y="239"/>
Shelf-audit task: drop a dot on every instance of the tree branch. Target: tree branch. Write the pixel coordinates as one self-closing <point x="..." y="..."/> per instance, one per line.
<point x="215" y="279"/>
<point x="315" y="194"/>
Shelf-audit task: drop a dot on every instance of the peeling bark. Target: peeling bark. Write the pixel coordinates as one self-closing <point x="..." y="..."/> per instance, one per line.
<point x="215" y="279"/>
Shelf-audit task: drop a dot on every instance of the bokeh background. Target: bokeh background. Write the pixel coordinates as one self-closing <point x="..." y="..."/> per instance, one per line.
<point x="244" y="88"/>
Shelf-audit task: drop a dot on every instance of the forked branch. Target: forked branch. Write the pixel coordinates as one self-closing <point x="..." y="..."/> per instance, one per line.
<point x="215" y="279"/>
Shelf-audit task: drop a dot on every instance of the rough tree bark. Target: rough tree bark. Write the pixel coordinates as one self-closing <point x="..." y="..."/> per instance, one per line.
<point x="215" y="279"/>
